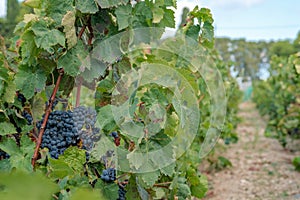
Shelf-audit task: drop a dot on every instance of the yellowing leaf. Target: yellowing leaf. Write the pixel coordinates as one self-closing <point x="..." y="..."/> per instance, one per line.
<point x="68" y="22"/>
<point x="158" y="14"/>
<point x="32" y="3"/>
<point x="29" y="17"/>
<point x="9" y="95"/>
<point x="297" y="69"/>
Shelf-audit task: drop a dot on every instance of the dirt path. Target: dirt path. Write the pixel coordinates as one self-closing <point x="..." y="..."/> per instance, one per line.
<point x="261" y="170"/>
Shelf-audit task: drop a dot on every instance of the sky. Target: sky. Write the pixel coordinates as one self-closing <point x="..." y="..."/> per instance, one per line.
<point x="249" y="19"/>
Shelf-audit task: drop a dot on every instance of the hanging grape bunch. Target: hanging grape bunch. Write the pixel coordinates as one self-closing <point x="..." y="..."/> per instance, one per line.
<point x="67" y="128"/>
<point x="85" y="120"/>
<point x="27" y="117"/>
<point x="60" y="132"/>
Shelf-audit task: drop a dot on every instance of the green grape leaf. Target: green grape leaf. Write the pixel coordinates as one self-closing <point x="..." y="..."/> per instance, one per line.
<point x="19" y="185"/>
<point x="171" y="3"/>
<point x="106" y="119"/>
<point x="5" y="166"/>
<point x="200" y="189"/>
<point x="109" y="191"/>
<point x="7" y="128"/>
<point x="108" y="50"/>
<point x="70" y="163"/>
<point x="168" y="170"/>
<point x="74" y="157"/>
<point x="72" y="60"/>
<point x="101" y="147"/>
<point x="3" y="71"/>
<point x="183" y="191"/>
<point x="27" y="146"/>
<point x="149" y="178"/>
<point x="28" y="82"/>
<point x="47" y="38"/>
<point x="191" y="79"/>
<point x="159" y="193"/>
<point x="21" y="162"/>
<point x="153" y="96"/>
<point x="132" y="191"/>
<point x="38" y="106"/>
<point x="20" y="158"/>
<point x="87" y="6"/>
<point x="29" y="50"/>
<point x="193" y="32"/>
<point x="168" y="20"/>
<point x="296" y="163"/>
<point x="171" y="124"/>
<point x="58" y="8"/>
<point x="205" y="20"/>
<point x="136" y="160"/>
<point x="68" y="22"/>
<point x="60" y="169"/>
<point x="67" y="84"/>
<point x="94" y="68"/>
<point x="207" y="35"/>
<point x="205" y="15"/>
<point x="142" y="13"/>
<point x="142" y="192"/>
<point x="123" y="14"/>
<point x="10" y="146"/>
<point x="111" y="3"/>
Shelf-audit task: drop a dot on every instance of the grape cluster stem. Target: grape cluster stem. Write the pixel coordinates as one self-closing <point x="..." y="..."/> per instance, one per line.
<point x="47" y="113"/>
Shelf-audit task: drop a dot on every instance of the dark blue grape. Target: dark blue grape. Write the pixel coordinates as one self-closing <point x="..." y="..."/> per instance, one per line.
<point x="55" y="102"/>
<point x="114" y="134"/>
<point x="28" y="117"/>
<point x="21" y="98"/>
<point x="3" y="155"/>
<point x="108" y="175"/>
<point x="121" y="192"/>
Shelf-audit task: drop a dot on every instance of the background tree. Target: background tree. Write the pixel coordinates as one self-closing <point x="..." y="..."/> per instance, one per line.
<point x="15" y="12"/>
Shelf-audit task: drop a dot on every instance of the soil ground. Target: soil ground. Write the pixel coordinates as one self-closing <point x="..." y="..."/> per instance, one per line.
<point x="261" y="167"/>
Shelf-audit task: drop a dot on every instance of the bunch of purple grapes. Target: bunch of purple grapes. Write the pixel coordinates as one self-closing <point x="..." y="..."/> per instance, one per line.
<point x="28" y="117"/>
<point x="60" y="132"/>
<point x="67" y="128"/>
<point x="85" y="121"/>
<point x="122" y="192"/>
<point x="108" y="175"/>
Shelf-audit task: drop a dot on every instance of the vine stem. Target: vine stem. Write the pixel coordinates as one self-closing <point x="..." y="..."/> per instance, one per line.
<point x="160" y="184"/>
<point x="121" y="176"/>
<point x="81" y="31"/>
<point x="47" y="113"/>
<point x="78" y="93"/>
<point x="90" y="28"/>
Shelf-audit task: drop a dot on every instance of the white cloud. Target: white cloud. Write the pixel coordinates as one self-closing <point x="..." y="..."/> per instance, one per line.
<point x="2" y="8"/>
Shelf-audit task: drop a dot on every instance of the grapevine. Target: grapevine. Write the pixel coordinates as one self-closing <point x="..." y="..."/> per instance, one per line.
<point x="278" y="98"/>
<point x="94" y="57"/>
